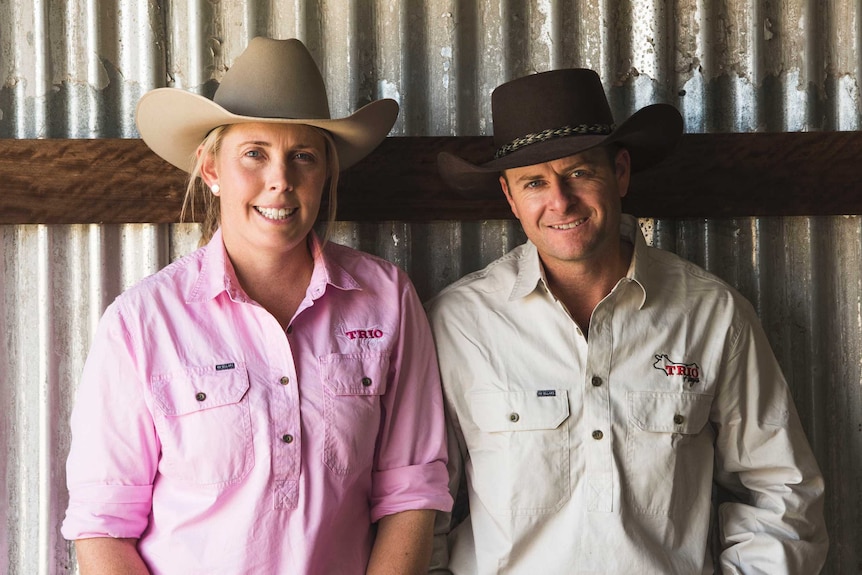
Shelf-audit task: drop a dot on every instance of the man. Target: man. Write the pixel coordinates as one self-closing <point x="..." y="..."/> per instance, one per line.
<point x="597" y="388"/>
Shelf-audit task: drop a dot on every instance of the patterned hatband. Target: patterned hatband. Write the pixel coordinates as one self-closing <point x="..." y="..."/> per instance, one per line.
<point x="580" y="130"/>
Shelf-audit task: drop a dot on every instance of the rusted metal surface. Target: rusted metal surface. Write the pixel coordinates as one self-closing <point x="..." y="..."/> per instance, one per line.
<point x="75" y="69"/>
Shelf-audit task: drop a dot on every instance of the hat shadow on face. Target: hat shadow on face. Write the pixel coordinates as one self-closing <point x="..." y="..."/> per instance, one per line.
<point x="272" y="81"/>
<point x="550" y="115"/>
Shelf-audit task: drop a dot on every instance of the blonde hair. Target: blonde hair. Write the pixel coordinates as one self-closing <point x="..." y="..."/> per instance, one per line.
<point x="198" y="194"/>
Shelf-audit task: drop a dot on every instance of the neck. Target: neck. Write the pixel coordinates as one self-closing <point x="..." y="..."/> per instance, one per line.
<point x="277" y="282"/>
<point x="580" y="286"/>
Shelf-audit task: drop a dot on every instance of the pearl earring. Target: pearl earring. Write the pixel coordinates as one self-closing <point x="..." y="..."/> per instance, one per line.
<point x="215" y="189"/>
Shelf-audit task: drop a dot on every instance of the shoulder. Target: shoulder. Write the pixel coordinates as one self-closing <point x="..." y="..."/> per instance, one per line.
<point x="491" y="283"/>
<point x="368" y="270"/>
<point x="174" y="280"/>
<point x="679" y="280"/>
<point x="665" y="267"/>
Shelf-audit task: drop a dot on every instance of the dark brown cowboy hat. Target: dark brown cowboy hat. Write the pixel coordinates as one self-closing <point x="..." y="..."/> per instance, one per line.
<point x="551" y="115"/>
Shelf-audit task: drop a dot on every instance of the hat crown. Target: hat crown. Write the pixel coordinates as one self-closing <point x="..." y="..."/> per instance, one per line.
<point x="548" y="101"/>
<point x="274" y="79"/>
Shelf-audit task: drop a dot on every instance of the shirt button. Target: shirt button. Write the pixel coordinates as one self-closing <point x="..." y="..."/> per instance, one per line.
<point x="366" y="381"/>
<point x="514" y="417"/>
<point x="289" y="329"/>
<point x="597" y="434"/>
<point x="596" y="381"/>
<point x="287" y="438"/>
<point x="678" y="419"/>
<point x="284" y="380"/>
<point x="200" y="396"/>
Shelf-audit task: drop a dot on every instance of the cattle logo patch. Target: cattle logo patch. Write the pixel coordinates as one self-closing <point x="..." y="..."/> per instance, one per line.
<point x="689" y="372"/>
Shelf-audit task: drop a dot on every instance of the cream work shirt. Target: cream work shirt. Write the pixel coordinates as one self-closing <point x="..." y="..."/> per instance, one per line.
<point x="600" y="457"/>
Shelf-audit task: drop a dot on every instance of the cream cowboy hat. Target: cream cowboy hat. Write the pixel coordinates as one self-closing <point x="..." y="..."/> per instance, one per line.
<point x="272" y="81"/>
<point x="551" y="115"/>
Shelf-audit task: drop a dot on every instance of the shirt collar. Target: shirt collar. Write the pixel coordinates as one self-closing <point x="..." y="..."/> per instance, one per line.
<point x="531" y="274"/>
<point x="327" y="270"/>
<point x="217" y="274"/>
<point x="638" y="272"/>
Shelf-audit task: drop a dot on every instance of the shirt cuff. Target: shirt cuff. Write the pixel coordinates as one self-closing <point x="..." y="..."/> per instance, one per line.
<point x="423" y="486"/>
<point x="120" y="511"/>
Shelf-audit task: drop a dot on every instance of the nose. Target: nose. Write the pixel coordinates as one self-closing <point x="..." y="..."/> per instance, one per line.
<point x="561" y="196"/>
<point x="279" y="178"/>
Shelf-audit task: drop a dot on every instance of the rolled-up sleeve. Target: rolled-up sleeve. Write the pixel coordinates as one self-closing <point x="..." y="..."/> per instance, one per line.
<point x="410" y="462"/>
<point x="114" y="452"/>
<point x="776" y="525"/>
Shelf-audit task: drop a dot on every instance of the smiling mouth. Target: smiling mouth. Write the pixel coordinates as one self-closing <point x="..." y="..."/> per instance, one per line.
<point x="275" y="213"/>
<point x="569" y="226"/>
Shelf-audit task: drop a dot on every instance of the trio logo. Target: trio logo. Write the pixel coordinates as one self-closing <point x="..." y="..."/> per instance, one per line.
<point x="690" y="372"/>
<point x="369" y="333"/>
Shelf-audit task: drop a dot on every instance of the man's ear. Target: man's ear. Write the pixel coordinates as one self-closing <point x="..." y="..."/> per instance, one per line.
<point x="623" y="170"/>
<point x="504" y="184"/>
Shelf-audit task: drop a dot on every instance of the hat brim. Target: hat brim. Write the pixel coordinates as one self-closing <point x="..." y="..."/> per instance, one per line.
<point x="650" y="135"/>
<point x="174" y="122"/>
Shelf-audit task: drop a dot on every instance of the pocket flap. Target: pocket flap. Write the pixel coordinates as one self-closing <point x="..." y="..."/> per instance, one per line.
<point x="199" y="388"/>
<point x="669" y="412"/>
<point x="519" y="410"/>
<point x="355" y="373"/>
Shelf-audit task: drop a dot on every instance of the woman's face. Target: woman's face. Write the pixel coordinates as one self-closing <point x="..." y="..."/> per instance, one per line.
<point x="271" y="179"/>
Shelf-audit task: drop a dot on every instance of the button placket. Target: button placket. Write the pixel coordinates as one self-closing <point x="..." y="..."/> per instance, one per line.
<point x="597" y="423"/>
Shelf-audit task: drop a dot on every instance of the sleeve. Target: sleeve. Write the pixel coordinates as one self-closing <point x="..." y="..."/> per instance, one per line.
<point x="775" y="523"/>
<point x="410" y="460"/>
<point x="114" y="451"/>
<point x="446" y="521"/>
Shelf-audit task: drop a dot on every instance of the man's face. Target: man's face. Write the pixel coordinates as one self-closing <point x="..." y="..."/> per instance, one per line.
<point x="570" y="208"/>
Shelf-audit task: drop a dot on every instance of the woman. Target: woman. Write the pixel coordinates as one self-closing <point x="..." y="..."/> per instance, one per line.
<point x="269" y="403"/>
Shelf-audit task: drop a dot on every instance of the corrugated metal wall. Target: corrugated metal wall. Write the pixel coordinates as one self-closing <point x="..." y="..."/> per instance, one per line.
<point x="75" y="68"/>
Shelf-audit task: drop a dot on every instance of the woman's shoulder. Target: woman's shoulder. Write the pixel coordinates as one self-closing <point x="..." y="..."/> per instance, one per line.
<point x="176" y="278"/>
<point x="359" y="263"/>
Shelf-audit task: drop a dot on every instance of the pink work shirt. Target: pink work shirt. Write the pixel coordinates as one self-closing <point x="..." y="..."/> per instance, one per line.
<point x="228" y="445"/>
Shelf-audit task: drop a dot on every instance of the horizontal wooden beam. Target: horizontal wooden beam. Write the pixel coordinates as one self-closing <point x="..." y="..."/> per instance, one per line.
<point x="64" y="181"/>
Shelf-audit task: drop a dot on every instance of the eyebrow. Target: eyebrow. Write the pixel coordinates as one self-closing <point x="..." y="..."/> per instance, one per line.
<point x="569" y="168"/>
<point x="267" y="143"/>
<point x="528" y="178"/>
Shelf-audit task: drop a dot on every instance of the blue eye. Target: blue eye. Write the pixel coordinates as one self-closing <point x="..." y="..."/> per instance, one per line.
<point x="253" y="154"/>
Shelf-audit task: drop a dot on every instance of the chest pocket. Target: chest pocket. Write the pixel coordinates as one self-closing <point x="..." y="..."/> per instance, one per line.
<point x="353" y="385"/>
<point x="520" y="451"/>
<point x="204" y="424"/>
<point x="667" y="438"/>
